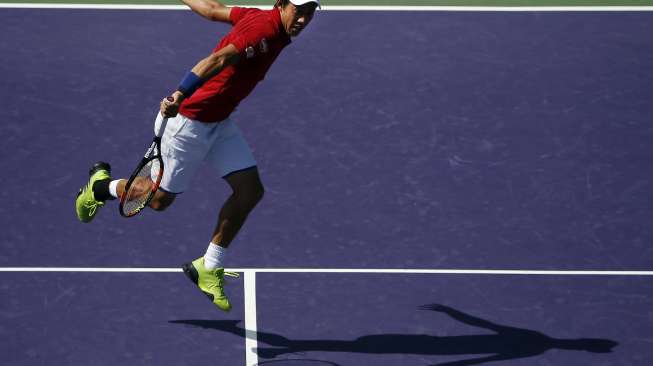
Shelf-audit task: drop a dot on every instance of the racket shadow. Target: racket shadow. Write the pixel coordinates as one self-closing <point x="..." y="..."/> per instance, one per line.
<point x="507" y="343"/>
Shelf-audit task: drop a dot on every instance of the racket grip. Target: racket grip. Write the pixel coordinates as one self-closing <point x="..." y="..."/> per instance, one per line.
<point x="164" y="120"/>
<point x="160" y="125"/>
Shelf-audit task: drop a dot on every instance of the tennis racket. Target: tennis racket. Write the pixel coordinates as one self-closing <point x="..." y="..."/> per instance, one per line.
<point x="145" y="180"/>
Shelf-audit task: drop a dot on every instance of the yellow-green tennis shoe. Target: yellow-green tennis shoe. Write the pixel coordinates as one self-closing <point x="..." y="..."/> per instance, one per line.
<point x="209" y="281"/>
<point x="86" y="205"/>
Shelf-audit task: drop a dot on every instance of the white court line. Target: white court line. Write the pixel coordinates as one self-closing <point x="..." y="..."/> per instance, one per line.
<point x="251" y="341"/>
<point x="488" y="8"/>
<point x="342" y="270"/>
<point x="342" y="8"/>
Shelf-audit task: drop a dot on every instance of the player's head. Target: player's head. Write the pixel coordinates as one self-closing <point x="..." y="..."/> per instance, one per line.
<point x="296" y="14"/>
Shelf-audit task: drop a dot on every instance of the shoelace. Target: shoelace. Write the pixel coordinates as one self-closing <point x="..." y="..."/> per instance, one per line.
<point x="220" y="282"/>
<point x="92" y="206"/>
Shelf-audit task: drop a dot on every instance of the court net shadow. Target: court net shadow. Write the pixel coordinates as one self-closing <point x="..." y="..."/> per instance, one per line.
<point x="506" y="344"/>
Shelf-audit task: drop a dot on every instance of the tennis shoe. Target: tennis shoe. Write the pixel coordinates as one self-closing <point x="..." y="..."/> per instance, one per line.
<point x="209" y="281"/>
<point x="86" y="205"/>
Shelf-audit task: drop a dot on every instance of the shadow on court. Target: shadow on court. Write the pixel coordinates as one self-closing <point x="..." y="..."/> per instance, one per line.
<point x="508" y="342"/>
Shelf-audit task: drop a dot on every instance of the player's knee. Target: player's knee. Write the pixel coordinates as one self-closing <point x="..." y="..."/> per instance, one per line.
<point x="160" y="203"/>
<point x="250" y="196"/>
<point x="257" y="194"/>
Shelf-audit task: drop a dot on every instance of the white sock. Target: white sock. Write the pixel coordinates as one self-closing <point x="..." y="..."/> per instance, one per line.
<point x="214" y="257"/>
<point x="113" y="188"/>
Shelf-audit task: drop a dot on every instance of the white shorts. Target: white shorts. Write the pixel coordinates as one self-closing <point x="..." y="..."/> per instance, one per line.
<point x="186" y="143"/>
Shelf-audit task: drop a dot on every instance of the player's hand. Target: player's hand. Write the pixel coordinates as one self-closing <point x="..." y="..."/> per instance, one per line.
<point x="170" y="105"/>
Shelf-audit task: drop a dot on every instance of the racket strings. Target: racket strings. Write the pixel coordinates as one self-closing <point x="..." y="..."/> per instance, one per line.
<point x="142" y="188"/>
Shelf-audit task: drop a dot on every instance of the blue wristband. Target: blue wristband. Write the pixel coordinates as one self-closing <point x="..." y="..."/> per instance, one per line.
<point x="189" y="84"/>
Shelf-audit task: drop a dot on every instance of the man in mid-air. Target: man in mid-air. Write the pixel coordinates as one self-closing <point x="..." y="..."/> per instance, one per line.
<point x="199" y="129"/>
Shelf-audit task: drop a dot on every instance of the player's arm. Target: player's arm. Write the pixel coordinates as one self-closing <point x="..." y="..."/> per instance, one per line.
<point x="210" y="9"/>
<point x="216" y="62"/>
<point x="466" y="318"/>
<point x="201" y="72"/>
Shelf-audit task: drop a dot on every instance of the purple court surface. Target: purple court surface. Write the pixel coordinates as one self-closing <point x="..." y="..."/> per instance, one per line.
<point x="424" y="140"/>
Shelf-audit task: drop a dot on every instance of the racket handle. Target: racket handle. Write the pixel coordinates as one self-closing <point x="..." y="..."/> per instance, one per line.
<point x="164" y="120"/>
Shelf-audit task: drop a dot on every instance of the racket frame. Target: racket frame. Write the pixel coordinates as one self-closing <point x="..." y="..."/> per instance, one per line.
<point x="153" y="153"/>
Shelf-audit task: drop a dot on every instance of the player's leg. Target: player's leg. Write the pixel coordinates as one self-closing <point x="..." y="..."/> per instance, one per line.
<point x="233" y="158"/>
<point x="100" y="188"/>
<point x="247" y="192"/>
<point x="208" y="271"/>
<point x="181" y="157"/>
<point x="183" y="150"/>
<point x="162" y="199"/>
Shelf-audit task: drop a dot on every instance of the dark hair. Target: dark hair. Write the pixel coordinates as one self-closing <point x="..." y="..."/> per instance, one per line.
<point x="281" y="3"/>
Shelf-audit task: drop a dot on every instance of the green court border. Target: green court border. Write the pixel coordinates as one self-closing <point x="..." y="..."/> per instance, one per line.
<point x="492" y="3"/>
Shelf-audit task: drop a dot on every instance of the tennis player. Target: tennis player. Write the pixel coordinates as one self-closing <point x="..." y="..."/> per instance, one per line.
<point x="199" y="129"/>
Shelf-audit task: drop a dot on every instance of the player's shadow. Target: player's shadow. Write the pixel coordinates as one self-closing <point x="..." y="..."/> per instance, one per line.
<point x="507" y="343"/>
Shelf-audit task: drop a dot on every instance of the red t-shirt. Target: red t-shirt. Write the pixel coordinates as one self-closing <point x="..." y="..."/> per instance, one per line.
<point x="259" y="37"/>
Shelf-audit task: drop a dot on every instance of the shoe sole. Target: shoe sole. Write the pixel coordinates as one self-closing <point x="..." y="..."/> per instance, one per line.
<point x="100" y="165"/>
<point x="191" y="273"/>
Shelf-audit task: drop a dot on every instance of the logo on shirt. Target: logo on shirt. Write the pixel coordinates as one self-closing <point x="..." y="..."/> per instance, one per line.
<point x="249" y="52"/>
<point x="263" y="46"/>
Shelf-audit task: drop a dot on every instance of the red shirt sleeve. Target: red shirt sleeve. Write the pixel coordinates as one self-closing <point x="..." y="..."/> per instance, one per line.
<point x="236" y="14"/>
<point x="250" y="31"/>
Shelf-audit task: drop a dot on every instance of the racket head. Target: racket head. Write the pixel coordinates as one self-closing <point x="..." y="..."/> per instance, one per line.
<point x="142" y="184"/>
